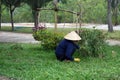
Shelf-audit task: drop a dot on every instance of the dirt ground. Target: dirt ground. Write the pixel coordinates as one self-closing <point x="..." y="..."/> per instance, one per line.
<point x="4" y="78"/>
<point x="16" y="37"/>
<point x="113" y="42"/>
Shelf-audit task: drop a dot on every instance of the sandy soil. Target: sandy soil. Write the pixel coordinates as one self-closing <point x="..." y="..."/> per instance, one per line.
<point x="16" y="37"/>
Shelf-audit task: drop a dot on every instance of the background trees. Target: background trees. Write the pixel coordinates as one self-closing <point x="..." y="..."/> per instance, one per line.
<point x="35" y="4"/>
<point x="91" y="11"/>
<point x="110" y="27"/>
<point x="115" y="10"/>
<point x="0" y="13"/>
<point x="11" y="5"/>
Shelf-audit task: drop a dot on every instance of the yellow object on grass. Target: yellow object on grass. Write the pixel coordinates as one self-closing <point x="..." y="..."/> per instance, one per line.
<point x="77" y="59"/>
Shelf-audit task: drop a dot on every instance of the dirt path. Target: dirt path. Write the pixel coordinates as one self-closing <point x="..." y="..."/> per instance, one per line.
<point x="4" y="78"/>
<point x="16" y="37"/>
<point x="113" y="42"/>
<point x="28" y="38"/>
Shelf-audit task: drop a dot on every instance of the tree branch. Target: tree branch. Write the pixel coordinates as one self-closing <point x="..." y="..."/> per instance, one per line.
<point x="59" y="10"/>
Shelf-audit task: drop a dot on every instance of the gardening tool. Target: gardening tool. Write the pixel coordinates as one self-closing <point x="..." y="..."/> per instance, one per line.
<point x="76" y="59"/>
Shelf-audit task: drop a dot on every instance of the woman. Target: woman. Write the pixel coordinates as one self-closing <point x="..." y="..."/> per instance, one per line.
<point x="67" y="47"/>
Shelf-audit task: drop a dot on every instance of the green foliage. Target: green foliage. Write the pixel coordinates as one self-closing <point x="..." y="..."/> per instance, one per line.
<point x="92" y="11"/>
<point x="92" y="43"/>
<point x="34" y="4"/>
<point x="49" y="39"/>
<point x="33" y="63"/>
<point x="5" y="15"/>
<point x="23" y="13"/>
<point x="13" y="3"/>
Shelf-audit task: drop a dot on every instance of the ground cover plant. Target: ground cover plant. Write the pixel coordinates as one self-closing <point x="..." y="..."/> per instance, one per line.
<point x="30" y="62"/>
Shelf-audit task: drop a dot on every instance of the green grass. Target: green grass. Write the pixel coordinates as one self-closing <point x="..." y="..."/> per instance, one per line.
<point x="114" y="35"/>
<point x="18" y="30"/>
<point x="30" y="62"/>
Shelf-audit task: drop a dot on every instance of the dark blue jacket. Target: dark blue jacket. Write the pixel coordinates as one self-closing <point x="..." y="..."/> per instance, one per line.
<point x="65" y="50"/>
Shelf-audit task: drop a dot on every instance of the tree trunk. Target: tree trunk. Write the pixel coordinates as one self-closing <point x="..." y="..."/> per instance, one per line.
<point x="110" y="27"/>
<point x="116" y="16"/>
<point x="0" y="14"/>
<point x="36" y="18"/>
<point x="11" y="16"/>
<point x="56" y="20"/>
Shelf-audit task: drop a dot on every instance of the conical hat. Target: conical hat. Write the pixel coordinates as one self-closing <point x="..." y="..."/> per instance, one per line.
<point x="72" y="36"/>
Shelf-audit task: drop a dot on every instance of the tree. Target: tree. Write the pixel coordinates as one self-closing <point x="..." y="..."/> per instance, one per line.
<point x="115" y="9"/>
<point x="110" y="27"/>
<point x="35" y="4"/>
<point x="0" y="13"/>
<point x="12" y="4"/>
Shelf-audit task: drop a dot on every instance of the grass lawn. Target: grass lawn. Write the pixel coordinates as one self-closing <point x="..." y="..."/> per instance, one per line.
<point x="18" y="30"/>
<point x="30" y="62"/>
<point x="114" y="35"/>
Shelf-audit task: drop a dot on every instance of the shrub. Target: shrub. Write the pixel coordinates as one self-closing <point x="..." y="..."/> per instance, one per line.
<point x="49" y="39"/>
<point x="92" y="42"/>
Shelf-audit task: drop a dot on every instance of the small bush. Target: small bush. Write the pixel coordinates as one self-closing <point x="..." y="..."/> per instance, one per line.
<point x="49" y="39"/>
<point x="92" y="42"/>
